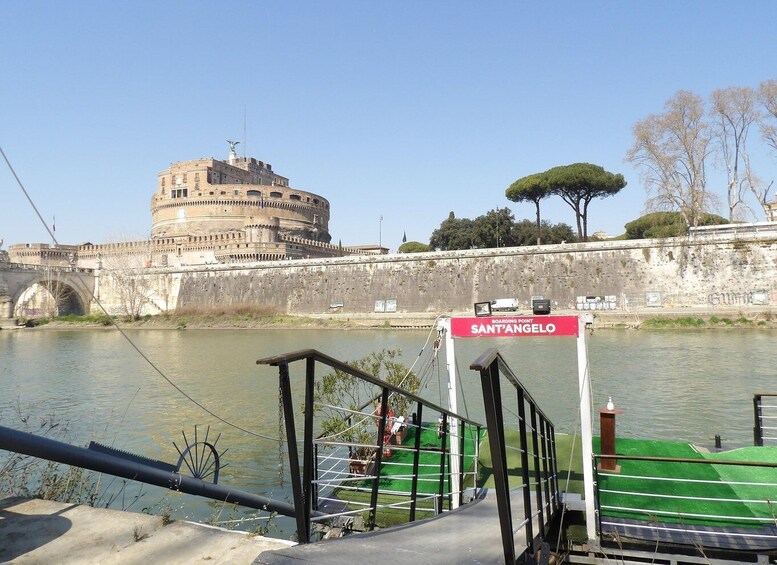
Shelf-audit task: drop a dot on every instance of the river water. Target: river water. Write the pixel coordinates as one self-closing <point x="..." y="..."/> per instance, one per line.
<point x="686" y="385"/>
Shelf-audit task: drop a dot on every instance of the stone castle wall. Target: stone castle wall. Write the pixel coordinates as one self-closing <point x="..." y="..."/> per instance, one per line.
<point x="679" y="272"/>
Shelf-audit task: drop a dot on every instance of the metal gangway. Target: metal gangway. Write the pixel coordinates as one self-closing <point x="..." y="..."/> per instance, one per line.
<point x="329" y="485"/>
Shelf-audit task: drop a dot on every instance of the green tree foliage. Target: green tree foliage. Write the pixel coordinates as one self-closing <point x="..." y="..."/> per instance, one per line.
<point x="453" y="233"/>
<point x="493" y="229"/>
<point x="578" y="184"/>
<point x="413" y="247"/>
<point x="482" y="232"/>
<point x="525" y="233"/>
<point x="532" y="188"/>
<point x="666" y="224"/>
<point x="344" y="390"/>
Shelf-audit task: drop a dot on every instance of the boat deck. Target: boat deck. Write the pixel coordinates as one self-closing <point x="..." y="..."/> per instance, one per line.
<point x="708" y="499"/>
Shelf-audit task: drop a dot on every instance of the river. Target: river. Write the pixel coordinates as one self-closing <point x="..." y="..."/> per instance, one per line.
<point x="687" y="385"/>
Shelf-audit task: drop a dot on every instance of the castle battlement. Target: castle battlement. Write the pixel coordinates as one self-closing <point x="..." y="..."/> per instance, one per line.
<point x="207" y="211"/>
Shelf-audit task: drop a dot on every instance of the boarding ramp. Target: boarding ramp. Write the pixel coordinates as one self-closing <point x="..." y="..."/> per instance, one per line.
<point x="402" y="490"/>
<point x="362" y="466"/>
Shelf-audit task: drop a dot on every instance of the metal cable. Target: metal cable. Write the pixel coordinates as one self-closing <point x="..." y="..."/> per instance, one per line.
<point x="116" y="325"/>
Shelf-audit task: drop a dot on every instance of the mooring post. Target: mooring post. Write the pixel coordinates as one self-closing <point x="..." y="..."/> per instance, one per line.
<point x="607" y="433"/>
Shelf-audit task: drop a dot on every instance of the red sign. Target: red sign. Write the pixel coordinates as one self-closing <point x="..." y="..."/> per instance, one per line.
<point x="514" y="326"/>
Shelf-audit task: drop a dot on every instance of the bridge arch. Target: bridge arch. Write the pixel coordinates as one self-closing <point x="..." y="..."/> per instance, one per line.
<point x="46" y="293"/>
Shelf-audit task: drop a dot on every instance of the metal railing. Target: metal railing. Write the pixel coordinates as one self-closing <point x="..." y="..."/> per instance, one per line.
<point x="538" y="472"/>
<point x="708" y="502"/>
<point x="201" y="481"/>
<point x="765" y="419"/>
<point x="403" y="472"/>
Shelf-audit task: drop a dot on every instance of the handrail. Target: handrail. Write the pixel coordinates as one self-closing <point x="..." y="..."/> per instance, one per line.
<point x="324" y="472"/>
<point x="152" y="473"/>
<point x="492" y="367"/>
<point x="344" y="367"/>
<point x="488" y="357"/>
<point x="683" y="460"/>
<point x="758" y="417"/>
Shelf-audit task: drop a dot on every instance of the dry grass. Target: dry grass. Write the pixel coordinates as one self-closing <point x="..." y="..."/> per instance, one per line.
<point x="240" y="310"/>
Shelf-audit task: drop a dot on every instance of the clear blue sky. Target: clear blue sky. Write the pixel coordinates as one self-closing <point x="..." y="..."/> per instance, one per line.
<point x="406" y="110"/>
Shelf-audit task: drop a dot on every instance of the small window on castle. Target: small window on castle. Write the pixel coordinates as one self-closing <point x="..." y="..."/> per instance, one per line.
<point x="276" y="195"/>
<point x="295" y="197"/>
<point x="237" y="192"/>
<point x="196" y="177"/>
<point x="253" y="194"/>
<point x="163" y="181"/>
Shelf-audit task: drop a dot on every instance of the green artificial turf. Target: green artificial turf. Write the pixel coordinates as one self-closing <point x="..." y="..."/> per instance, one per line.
<point x="637" y="487"/>
<point x="570" y="470"/>
<point x="639" y="496"/>
<point x="763" y="487"/>
<point x="397" y="470"/>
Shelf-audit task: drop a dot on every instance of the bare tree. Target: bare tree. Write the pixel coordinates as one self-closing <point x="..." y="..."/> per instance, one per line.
<point x="56" y="294"/>
<point x="672" y="149"/>
<point x="126" y="265"/>
<point x="767" y="94"/>
<point x="733" y="111"/>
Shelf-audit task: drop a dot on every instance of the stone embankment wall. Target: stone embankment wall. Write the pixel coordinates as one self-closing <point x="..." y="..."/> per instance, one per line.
<point x="707" y="271"/>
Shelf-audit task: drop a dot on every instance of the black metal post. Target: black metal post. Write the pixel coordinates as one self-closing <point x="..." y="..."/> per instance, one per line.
<point x="291" y="442"/>
<point x="554" y="468"/>
<point x="525" y="471"/>
<point x="492" y="400"/>
<point x="546" y="475"/>
<point x="378" y="457"/>
<point x="537" y="470"/>
<point x="416" y="458"/>
<point x="758" y="436"/>
<point x="307" y="453"/>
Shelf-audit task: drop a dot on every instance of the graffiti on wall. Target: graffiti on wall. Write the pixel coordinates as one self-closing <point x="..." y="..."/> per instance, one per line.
<point x="754" y="297"/>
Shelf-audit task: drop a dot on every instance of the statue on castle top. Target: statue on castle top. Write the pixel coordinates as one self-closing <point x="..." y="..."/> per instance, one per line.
<point x="232" y="145"/>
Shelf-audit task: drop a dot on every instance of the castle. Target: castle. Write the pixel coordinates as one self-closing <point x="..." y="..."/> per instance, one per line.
<point x="208" y="211"/>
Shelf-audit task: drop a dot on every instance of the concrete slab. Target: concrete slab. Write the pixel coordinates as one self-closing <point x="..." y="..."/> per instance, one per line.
<point x="42" y="531"/>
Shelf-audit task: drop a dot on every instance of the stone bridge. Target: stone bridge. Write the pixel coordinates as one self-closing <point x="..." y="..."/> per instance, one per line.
<point x="25" y="289"/>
